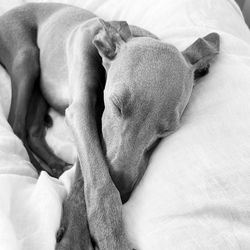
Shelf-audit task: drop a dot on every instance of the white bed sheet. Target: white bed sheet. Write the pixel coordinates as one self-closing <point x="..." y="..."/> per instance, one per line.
<point x="196" y="191"/>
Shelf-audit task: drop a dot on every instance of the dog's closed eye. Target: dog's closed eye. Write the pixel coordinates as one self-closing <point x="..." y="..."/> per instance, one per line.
<point x="117" y="105"/>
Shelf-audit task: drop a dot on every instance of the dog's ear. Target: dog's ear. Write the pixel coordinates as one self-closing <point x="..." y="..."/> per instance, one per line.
<point x="110" y="37"/>
<point x="201" y="53"/>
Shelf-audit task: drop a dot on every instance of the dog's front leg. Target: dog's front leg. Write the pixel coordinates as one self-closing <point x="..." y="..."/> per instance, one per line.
<point x="102" y="199"/>
<point x="103" y="202"/>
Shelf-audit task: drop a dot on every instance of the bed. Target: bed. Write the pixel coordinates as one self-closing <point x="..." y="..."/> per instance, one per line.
<point x="195" y="193"/>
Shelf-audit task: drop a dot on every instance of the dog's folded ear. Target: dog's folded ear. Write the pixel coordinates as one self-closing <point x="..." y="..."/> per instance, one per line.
<point x="201" y="53"/>
<point x="110" y="37"/>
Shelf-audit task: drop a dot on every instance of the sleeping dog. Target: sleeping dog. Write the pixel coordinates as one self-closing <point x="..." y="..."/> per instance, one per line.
<point x="62" y="57"/>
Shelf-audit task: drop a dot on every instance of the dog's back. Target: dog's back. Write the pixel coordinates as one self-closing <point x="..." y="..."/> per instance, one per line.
<point x="44" y="27"/>
<point x="23" y="25"/>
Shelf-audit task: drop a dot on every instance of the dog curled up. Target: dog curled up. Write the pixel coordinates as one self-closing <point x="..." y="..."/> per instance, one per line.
<point x="121" y="90"/>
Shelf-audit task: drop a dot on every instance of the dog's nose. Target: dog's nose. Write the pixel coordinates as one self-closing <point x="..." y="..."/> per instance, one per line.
<point x="123" y="184"/>
<point x="125" y="197"/>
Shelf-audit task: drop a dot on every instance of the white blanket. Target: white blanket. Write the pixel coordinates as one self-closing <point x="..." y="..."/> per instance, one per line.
<point x="196" y="191"/>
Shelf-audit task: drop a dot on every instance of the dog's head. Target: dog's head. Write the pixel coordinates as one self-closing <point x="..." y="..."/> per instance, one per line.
<point x="148" y="86"/>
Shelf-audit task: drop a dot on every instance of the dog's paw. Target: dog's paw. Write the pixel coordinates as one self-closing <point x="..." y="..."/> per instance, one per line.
<point x="63" y="241"/>
<point x="60" y="234"/>
<point x="73" y="233"/>
<point x="70" y="238"/>
<point x="65" y="244"/>
<point x="58" y="166"/>
<point x="66" y="236"/>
